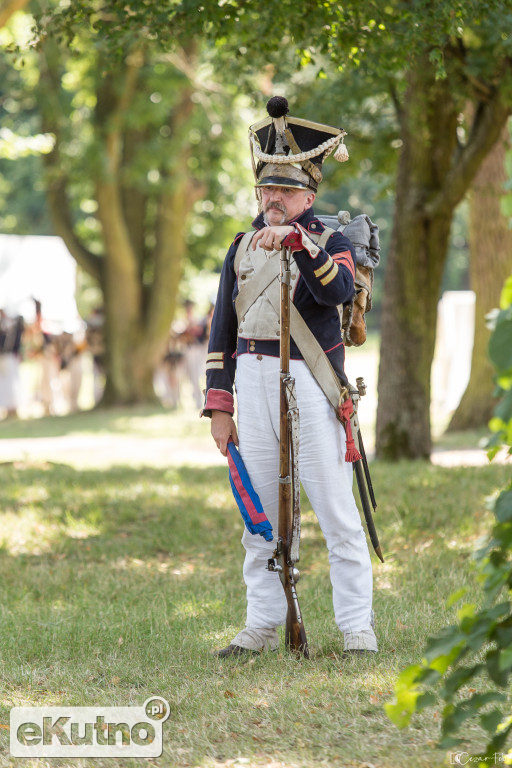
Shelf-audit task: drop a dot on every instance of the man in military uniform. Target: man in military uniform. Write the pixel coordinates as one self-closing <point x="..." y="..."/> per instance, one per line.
<point x="289" y="155"/>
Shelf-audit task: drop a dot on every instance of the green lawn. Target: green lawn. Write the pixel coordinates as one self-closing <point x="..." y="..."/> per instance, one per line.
<point x="117" y="582"/>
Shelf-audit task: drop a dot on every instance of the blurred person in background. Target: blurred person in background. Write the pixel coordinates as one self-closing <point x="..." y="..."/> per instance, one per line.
<point x="169" y="373"/>
<point x="195" y="339"/>
<point x="70" y="347"/>
<point x="185" y="357"/>
<point x="11" y="333"/>
<point x="95" y="342"/>
<point x="41" y="347"/>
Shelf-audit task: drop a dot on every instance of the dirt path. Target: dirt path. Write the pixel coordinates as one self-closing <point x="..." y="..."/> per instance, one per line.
<point x="110" y="450"/>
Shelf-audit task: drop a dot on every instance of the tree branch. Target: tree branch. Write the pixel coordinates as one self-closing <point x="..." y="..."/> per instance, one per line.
<point x="114" y="98"/>
<point x="174" y="206"/>
<point x="458" y="52"/>
<point x="488" y="122"/>
<point x="8" y="8"/>
<point x="57" y="183"/>
<point x="396" y="103"/>
<point x="60" y="211"/>
<point x="134" y="201"/>
<point x="113" y="104"/>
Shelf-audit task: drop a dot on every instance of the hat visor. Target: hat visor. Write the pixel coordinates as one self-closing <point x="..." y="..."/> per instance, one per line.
<point x="281" y="181"/>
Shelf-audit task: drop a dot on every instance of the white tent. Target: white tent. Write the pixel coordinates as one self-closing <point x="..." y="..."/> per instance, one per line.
<point x="38" y="267"/>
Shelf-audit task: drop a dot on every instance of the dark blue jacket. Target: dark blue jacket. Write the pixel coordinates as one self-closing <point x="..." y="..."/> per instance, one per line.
<point x="326" y="280"/>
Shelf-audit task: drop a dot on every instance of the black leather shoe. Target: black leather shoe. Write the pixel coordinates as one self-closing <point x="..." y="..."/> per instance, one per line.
<point x="234" y="650"/>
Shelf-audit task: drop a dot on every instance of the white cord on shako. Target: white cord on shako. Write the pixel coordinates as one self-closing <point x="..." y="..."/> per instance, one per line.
<point x="341" y="154"/>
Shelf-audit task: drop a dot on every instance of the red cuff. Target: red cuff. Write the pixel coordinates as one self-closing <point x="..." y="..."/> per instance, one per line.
<point x="219" y="400"/>
<point x="306" y="243"/>
<point x="293" y="241"/>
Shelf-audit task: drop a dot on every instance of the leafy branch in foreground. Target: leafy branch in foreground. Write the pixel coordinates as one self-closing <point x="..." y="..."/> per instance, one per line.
<point x="480" y="643"/>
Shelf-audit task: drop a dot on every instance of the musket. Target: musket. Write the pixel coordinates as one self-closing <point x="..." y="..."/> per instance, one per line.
<point x="286" y="553"/>
<point x="361" y="468"/>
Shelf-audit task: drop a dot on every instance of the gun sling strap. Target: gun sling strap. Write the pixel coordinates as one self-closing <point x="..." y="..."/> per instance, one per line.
<point x="266" y="279"/>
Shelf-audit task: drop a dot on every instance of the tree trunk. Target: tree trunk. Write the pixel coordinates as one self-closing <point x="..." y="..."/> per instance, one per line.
<point x="490" y="242"/>
<point x="126" y="381"/>
<point x="413" y="277"/>
<point x="434" y="172"/>
<point x="139" y="282"/>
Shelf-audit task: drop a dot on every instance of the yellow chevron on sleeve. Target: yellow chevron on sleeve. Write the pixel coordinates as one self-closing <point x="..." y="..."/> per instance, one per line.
<point x="212" y="364"/>
<point x="324" y="268"/>
<point x="332" y="274"/>
<point x="215" y="356"/>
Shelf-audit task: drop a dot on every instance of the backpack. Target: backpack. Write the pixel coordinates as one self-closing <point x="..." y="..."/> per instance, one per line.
<point x="364" y="235"/>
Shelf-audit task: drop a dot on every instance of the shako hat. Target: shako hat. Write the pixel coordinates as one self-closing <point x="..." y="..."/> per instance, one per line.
<point x="289" y="151"/>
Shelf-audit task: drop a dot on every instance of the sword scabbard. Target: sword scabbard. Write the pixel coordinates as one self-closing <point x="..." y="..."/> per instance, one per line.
<point x="362" y="470"/>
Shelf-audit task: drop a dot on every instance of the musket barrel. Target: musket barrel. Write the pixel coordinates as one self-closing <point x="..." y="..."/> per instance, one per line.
<point x="284" y="320"/>
<point x="289" y="513"/>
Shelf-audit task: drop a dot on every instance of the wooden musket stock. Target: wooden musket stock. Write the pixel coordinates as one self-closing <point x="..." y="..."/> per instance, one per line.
<point x="286" y="553"/>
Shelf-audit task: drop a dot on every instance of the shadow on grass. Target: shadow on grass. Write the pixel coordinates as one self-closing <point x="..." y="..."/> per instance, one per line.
<point x="137" y="512"/>
<point x="174" y="514"/>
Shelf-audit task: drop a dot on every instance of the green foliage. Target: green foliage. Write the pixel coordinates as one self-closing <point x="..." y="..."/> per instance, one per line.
<point x="351" y="33"/>
<point x="23" y="208"/>
<point x="479" y="645"/>
<point x="500" y="352"/>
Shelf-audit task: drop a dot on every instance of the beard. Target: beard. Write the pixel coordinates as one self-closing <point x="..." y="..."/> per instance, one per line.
<point x="279" y="207"/>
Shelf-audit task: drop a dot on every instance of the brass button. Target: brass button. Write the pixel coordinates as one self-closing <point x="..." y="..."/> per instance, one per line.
<point x="243" y="277"/>
<point x="313" y="226"/>
<point x="293" y="277"/>
<point x="259" y="357"/>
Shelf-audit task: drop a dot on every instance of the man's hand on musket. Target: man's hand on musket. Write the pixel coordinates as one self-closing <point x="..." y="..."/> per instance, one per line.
<point x="270" y="238"/>
<point x="222" y="428"/>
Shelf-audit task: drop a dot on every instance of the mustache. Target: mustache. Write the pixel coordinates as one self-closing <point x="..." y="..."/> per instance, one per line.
<point x="277" y="206"/>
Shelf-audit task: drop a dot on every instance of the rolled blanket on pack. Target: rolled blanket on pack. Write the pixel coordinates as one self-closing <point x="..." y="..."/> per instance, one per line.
<point x="246" y="497"/>
<point x="363" y="234"/>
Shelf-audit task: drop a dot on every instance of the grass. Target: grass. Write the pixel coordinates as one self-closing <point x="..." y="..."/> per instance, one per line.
<point x="117" y="581"/>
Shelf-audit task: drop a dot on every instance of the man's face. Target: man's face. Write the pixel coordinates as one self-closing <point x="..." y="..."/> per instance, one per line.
<point x="282" y="204"/>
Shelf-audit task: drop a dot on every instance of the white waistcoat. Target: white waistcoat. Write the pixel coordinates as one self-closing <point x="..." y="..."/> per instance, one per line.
<point x="261" y="320"/>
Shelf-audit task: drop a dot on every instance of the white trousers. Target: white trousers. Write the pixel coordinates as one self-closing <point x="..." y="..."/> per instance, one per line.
<point x="327" y="480"/>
